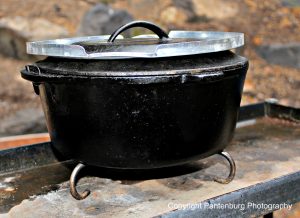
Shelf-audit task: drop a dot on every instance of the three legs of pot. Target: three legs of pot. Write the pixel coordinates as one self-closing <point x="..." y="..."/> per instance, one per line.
<point x="81" y="196"/>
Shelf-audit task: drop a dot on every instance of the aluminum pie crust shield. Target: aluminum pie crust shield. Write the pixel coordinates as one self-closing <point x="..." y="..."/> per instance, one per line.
<point x="179" y="43"/>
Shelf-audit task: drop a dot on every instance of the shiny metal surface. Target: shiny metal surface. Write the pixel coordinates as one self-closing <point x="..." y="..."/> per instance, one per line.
<point x="232" y="169"/>
<point x="154" y="28"/>
<point x="73" y="190"/>
<point x="179" y="43"/>
<point x="28" y="67"/>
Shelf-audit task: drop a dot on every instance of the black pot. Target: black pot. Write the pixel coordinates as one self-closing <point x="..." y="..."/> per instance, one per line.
<point x="140" y="113"/>
<point x="175" y="100"/>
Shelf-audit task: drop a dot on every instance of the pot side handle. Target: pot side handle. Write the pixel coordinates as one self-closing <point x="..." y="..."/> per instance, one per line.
<point x="29" y="67"/>
<point x="31" y="70"/>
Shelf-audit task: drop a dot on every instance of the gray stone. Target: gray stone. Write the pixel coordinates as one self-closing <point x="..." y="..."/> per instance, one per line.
<point x="16" y="31"/>
<point x="30" y="120"/>
<point x="290" y="3"/>
<point x="186" y="5"/>
<point x="179" y="12"/>
<point x="281" y="54"/>
<point x="103" y="20"/>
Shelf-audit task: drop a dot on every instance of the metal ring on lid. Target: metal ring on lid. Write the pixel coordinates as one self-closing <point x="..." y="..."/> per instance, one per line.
<point x="156" y="29"/>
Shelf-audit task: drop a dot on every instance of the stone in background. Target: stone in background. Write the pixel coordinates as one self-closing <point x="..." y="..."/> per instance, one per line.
<point x="16" y="31"/>
<point x="281" y="54"/>
<point x="103" y="20"/>
<point x="25" y="121"/>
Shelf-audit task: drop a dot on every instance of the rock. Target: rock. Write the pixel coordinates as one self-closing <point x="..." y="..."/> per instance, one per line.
<point x="290" y="3"/>
<point x="186" y="7"/>
<point x="173" y="15"/>
<point x="137" y="8"/>
<point x="12" y="43"/>
<point x="25" y="121"/>
<point x="103" y="20"/>
<point x="179" y="12"/>
<point x="215" y="9"/>
<point x="281" y="54"/>
<point x="16" y="31"/>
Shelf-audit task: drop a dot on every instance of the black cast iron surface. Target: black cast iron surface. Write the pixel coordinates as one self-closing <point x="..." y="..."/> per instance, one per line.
<point x="52" y="69"/>
<point x="185" y="112"/>
<point x="267" y="154"/>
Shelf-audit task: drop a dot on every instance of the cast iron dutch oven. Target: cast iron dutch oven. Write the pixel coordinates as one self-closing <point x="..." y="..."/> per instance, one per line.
<point x="140" y="103"/>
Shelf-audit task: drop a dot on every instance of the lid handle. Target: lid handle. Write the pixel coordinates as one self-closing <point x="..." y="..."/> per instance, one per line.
<point x="156" y="29"/>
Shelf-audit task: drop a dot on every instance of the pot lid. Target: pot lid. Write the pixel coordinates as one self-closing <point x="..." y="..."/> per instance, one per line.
<point x="160" y="44"/>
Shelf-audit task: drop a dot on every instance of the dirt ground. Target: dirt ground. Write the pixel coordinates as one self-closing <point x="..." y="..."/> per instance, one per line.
<point x="262" y="22"/>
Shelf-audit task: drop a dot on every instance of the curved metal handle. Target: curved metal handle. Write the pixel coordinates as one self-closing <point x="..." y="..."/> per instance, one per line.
<point x="156" y="29"/>
<point x="27" y="68"/>
<point x="232" y="169"/>
<point x="73" y="190"/>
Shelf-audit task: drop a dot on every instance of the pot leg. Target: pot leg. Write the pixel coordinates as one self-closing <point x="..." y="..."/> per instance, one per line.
<point x="232" y="169"/>
<point x="73" y="189"/>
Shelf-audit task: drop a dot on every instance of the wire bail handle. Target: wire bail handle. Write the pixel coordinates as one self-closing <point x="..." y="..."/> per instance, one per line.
<point x="148" y="25"/>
